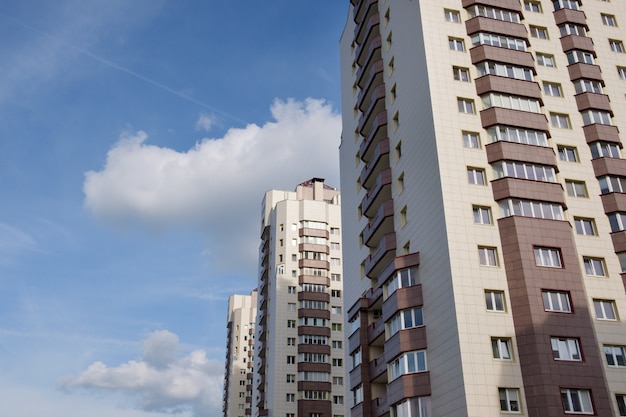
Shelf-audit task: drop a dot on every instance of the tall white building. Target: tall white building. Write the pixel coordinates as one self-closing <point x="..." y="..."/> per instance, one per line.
<point x="239" y="355"/>
<point x="484" y="207"/>
<point x="299" y="369"/>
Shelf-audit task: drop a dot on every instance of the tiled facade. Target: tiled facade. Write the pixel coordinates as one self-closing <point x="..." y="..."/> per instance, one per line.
<point x="299" y="369"/>
<point x="483" y="207"/>
<point x="239" y="355"/>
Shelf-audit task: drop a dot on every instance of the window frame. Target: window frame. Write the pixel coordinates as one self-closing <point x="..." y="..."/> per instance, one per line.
<point x="566" y="349"/>
<point x="603" y="307"/>
<point x="547" y="257"/>
<point x="509" y="400"/>
<point x="496" y="348"/>
<point x="492" y="303"/>
<point x="567" y="395"/>
<point x="488" y="256"/>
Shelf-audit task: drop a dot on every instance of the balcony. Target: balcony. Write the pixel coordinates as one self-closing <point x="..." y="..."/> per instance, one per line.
<point x="369" y="51"/>
<point x="609" y="166"/>
<point x="503" y="4"/>
<point x="583" y="43"/>
<point x="380" y="160"/>
<point x="385" y="252"/>
<point x="596" y="132"/>
<point x="485" y="24"/>
<point x="375" y="331"/>
<point x="619" y="241"/>
<point x="363" y="9"/>
<point x="411" y="260"/>
<point x="613" y="202"/>
<point x="314" y="313"/>
<point x="409" y="385"/>
<point x="509" y="187"/>
<point x="489" y="83"/>
<point x="501" y="116"/>
<point x="380" y="225"/>
<point x="570" y="16"/>
<point x="313" y="263"/>
<point x="378" y="369"/>
<point x="513" y="151"/>
<point x="363" y="30"/>
<point x="313" y="296"/>
<point x="482" y="53"/>
<point x="373" y="71"/>
<point x="376" y="106"/>
<point x="312" y="247"/>
<point x="586" y="101"/>
<point x="380" y="191"/>
<point x="380" y="406"/>
<point x="582" y="70"/>
<point x="377" y="131"/>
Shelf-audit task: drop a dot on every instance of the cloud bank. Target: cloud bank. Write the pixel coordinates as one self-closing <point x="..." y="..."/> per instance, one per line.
<point x="216" y="186"/>
<point x="160" y="381"/>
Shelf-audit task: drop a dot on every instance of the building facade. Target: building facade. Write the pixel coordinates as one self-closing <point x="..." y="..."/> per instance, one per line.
<point x="484" y="207"/>
<point x="239" y="355"/>
<point x="299" y="369"/>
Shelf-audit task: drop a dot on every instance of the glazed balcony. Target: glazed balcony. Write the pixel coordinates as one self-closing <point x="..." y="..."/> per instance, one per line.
<point x="364" y="30"/>
<point x="619" y="241"/>
<point x="314" y="386"/>
<point x="570" y="16"/>
<point x="509" y="187"/>
<point x="508" y="117"/>
<point x="364" y="9"/>
<point x="513" y="151"/>
<point x="582" y="43"/>
<point x="410" y="260"/>
<point x="314" y="296"/>
<point x="314" y="331"/>
<point x="314" y="313"/>
<point x="613" y="202"/>
<point x="383" y="254"/>
<point x="502" y="4"/>
<point x="313" y="247"/>
<point x="482" y="53"/>
<point x="596" y="132"/>
<point x="356" y="376"/>
<point x="312" y="348"/>
<point x="313" y="263"/>
<point x="370" y="51"/>
<point x="409" y="385"/>
<point x="609" y="166"/>
<point x="490" y="83"/>
<point x="379" y="160"/>
<point x="314" y="367"/>
<point x="370" y="94"/>
<point x="377" y="131"/>
<point x="357" y="410"/>
<point x="586" y="101"/>
<point x="485" y="24"/>
<point x="313" y="279"/>
<point x="582" y="70"/>
<point x="380" y="225"/>
<point x="376" y="106"/>
<point x="365" y="76"/>
<point x="380" y="191"/>
<point x="306" y="231"/>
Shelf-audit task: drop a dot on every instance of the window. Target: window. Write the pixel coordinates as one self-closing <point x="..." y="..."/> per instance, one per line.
<point x="335" y="277"/>
<point x="291" y="290"/>
<point x="621" y="73"/>
<point x="552" y="89"/>
<point x="594" y="266"/>
<point x="291" y="341"/>
<point x="405" y="319"/>
<point x="592" y="116"/>
<point x="524" y="171"/>
<point x="509" y="399"/>
<point x="335" y="310"/>
<point x="617" y="221"/>
<point x="461" y="74"/>
<point x="548" y="257"/>
<point x="476" y="176"/>
<point x="531" y="208"/>
<point x="565" y="349"/>
<point x="560" y="120"/>
<point x="483" y="38"/>
<point x="494" y="300"/>
<point x="510" y="102"/>
<point x="336" y="327"/>
<point x="334" y="231"/>
<point x="291" y="306"/>
<point x="412" y="407"/>
<point x="456" y="44"/>
<point x="545" y="60"/>
<point x="471" y="140"/>
<point x="616" y="46"/>
<point x="291" y="378"/>
<point x="356" y="358"/>
<point x="357" y="394"/>
<point x="482" y="215"/>
<point x="615" y="356"/>
<point x="311" y="339"/>
<point x="517" y="135"/>
<point x="403" y="216"/>
<point x="565" y="4"/>
<point x="556" y="301"/>
<point x="290" y="398"/>
<point x="337" y="344"/>
<point x="335" y="261"/>
<point x="337" y="362"/>
<point x="567" y="153"/>
<point x="338" y="399"/>
<point x="488" y="256"/>
<point x="402" y="279"/>
<point x="605" y="309"/>
<point x="538" y="32"/>
<point x="501" y="348"/>
<point x="494" y="13"/>
<point x="313" y="321"/>
<point x="335" y="293"/>
<point x="291" y="324"/>
<point x="612" y="184"/>
<point x="408" y="363"/>
<point x="291" y="360"/>
<point x="399" y="151"/>
<point x="465" y="105"/>
<point x="452" y="16"/>
<point x="532" y="6"/>
<point x="578" y="56"/>
<point x="621" y="404"/>
<point x="585" y="226"/>
<point x="576" y="188"/>
<point x="608" y="20"/>
<point x="576" y="401"/>
<point x="504" y="70"/>
<point x="400" y="183"/>
<point x="604" y="150"/>
<point x="572" y="29"/>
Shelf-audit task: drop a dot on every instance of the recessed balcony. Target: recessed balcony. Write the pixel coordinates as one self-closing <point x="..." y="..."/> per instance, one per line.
<point x="380" y="406"/>
<point x="380" y="191"/>
<point x="377" y="132"/>
<point x="380" y="160"/>
<point x="366" y="75"/>
<point x="363" y="9"/>
<point x="378" y="369"/>
<point x="362" y="31"/>
<point x="375" y="331"/>
<point x="376" y="106"/>
<point x="380" y="225"/>
<point x="383" y="254"/>
<point x="370" y="51"/>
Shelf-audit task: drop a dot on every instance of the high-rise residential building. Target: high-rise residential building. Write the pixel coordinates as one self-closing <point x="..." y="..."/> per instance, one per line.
<point x="299" y="368"/>
<point x="484" y="207"/>
<point x="239" y="355"/>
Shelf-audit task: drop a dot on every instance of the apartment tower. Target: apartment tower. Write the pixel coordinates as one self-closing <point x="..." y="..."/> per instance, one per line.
<point x="299" y="367"/>
<point x="239" y="355"/>
<point x="484" y="207"/>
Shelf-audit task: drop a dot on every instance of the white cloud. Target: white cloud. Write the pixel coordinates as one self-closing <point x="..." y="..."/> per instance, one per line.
<point x="205" y="122"/>
<point x="161" y="382"/>
<point x="217" y="186"/>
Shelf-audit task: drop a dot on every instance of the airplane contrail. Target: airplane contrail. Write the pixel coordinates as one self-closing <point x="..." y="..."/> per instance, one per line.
<point x="128" y="71"/>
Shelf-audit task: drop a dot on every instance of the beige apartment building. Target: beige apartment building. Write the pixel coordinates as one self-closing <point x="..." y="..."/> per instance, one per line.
<point x="484" y="207"/>
<point x="299" y="368"/>
<point x="239" y="355"/>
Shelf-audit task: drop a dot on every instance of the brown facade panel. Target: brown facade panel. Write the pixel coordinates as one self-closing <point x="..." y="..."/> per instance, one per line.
<point x="500" y="116"/>
<point x="314" y="312"/>
<point x="513" y="151"/>
<point x="314" y="331"/>
<point x="527" y="189"/>
<point x="305" y="231"/>
<point x="571" y="16"/>
<point x="482" y="53"/>
<point x="314" y="367"/>
<point x="534" y="326"/>
<point x="502" y="4"/>
<point x="314" y="386"/>
<point x="313" y="263"/>
<point x="484" y="24"/>
<point x="586" y="101"/>
<point x="408" y="386"/>
<point x="313" y="296"/>
<point x="609" y="166"/>
<point x="570" y="42"/>
<point x="410" y="260"/>
<point x="357" y="411"/>
<point x="597" y="132"/>
<point x="311" y="247"/>
<point x="582" y="70"/>
<point x="378" y="366"/>
<point x="401" y="299"/>
<point x="311" y="348"/>
<point x="613" y="202"/>
<point x="375" y="330"/>
<point x="488" y="83"/>
<point x="313" y="279"/>
<point x="406" y="340"/>
<point x="355" y="376"/>
<point x="379" y="406"/>
<point x="360" y="305"/>
<point x="619" y="241"/>
<point x="308" y="407"/>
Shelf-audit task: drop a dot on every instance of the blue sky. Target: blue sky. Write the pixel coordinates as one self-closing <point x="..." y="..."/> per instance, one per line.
<point x="136" y="141"/>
